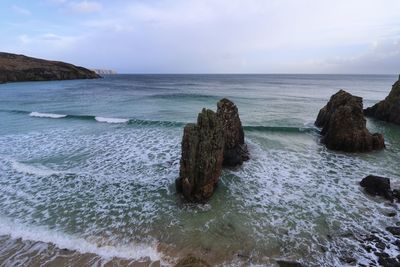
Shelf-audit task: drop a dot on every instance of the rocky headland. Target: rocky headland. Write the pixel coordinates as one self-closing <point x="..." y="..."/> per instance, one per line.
<point x="216" y="140"/>
<point x="389" y="108"/>
<point x="18" y="68"/>
<point x="344" y="126"/>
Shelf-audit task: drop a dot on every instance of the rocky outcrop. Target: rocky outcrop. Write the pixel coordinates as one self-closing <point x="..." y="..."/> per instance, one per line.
<point x="377" y="186"/>
<point x="389" y="108"/>
<point x="235" y="150"/>
<point x="17" y="68"/>
<point x="202" y="157"/>
<point x="216" y="140"/>
<point x="344" y="126"/>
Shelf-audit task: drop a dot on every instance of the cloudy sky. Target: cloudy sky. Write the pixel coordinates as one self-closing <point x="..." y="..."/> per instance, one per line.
<point x="208" y="36"/>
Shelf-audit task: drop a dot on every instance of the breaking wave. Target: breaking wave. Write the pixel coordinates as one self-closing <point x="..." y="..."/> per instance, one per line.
<point x="47" y="115"/>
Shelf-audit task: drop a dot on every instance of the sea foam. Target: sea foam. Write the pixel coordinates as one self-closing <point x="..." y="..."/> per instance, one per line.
<point x="47" y="115"/>
<point x="65" y="241"/>
<point x="29" y="169"/>
<point x="111" y="120"/>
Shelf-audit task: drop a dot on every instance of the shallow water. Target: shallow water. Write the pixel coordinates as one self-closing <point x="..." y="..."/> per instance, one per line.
<point x="89" y="166"/>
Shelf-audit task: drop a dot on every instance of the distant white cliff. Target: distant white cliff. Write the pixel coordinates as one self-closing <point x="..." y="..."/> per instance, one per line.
<point x="104" y="72"/>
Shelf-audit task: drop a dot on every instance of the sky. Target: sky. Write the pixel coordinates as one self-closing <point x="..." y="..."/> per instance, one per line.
<point x="208" y="36"/>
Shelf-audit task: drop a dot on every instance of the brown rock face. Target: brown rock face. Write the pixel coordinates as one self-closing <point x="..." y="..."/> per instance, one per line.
<point x="16" y="68"/>
<point x="235" y="150"/>
<point x="217" y="139"/>
<point x="202" y="157"/>
<point x="389" y="108"/>
<point x="344" y="126"/>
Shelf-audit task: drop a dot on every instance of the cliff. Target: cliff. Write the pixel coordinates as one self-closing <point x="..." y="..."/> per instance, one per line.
<point x="17" y="68"/>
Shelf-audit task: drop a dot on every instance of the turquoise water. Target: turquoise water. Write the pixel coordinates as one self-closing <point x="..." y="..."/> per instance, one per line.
<point x="89" y="165"/>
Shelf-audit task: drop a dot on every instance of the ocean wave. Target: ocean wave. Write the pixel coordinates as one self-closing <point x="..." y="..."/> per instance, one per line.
<point x="284" y="129"/>
<point x="29" y="169"/>
<point x="111" y="120"/>
<point x="139" y="122"/>
<point x="183" y="96"/>
<point x="65" y="241"/>
<point x="47" y="115"/>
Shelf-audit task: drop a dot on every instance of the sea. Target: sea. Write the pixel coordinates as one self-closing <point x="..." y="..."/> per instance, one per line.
<point x="87" y="172"/>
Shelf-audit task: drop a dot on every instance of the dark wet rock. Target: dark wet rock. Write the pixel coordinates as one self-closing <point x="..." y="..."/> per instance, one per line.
<point x="243" y="255"/>
<point x="387" y="261"/>
<point x="368" y="248"/>
<point x="289" y="264"/>
<point x="16" y="68"/>
<point x="376" y="185"/>
<point x="235" y="150"/>
<point x="380" y="245"/>
<point x="191" y="261"/>
<point x="397" y="243"/>
<point x="396" y="194"/>
<point x="395" y="230"/>
<point x="202" y="157"/>
<point x="389" y="108"/>
<point x="373" y="238"/>
<point x="349" y="260"/>
<point x="382" y="254"/>
<point x="344" y="126"/>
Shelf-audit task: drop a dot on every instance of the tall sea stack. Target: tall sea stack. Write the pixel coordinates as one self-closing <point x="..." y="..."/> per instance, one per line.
<point x="216" y="140"/>
<point x="389" y="108"/>
<point x="344" y="126"/>
<point x="235" y="150"/>
<point x="202" y="157"/>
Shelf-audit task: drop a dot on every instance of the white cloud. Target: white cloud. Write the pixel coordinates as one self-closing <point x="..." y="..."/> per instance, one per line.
<point x="234" y="36"/>
<point x="51" y="41"/>
<point x="20" y="10"/>
<point x="86" y="6"/>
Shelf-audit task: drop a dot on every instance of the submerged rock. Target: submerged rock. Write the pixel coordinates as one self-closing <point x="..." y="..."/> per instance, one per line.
<point x="389" y="108"/>
<point x="344" y="126"/>
<point x="235" y="150"/>
<point x="202" y="157"/>
<point x="395" y="230"/>
<point x="385" y="260"/>
<point x="191" y="261"/>
<point x="376" y="185"/>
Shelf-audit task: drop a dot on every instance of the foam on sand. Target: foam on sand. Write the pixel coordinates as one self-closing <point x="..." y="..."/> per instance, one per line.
<point x="47" y="115"/>
<point x="111" y="120"/>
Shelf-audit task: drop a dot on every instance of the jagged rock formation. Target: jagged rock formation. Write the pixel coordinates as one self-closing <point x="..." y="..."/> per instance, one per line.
<point x="377" y="186"/>
<point x="217" y="139"/>
<point x="344" y="126"/>
<point x="389" y="108"/>
<point x="16" y="68"/>
<point x="202" y="157"/>
<point x="235" y="150"/>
